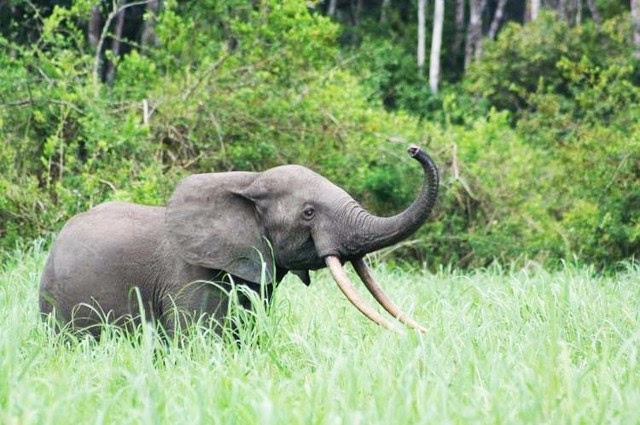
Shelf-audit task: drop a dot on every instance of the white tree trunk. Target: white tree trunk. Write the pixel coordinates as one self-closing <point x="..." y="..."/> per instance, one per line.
<point x="497" y="18"/>
<point x="436" y="45"/>
<point x="534" y="9"/>
<point x="473" y="46"/>
<point x="383" y="10"/>
<point x="422" y="6"/>
<point x="332" y="8"/>
<point x="635" y="24"/>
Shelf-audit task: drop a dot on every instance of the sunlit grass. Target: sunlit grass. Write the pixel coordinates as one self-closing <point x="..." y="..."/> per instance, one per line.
<point x="504" y="346"/>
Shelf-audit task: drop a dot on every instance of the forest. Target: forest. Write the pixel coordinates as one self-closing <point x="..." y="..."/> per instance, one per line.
<point x="531" y="109"/>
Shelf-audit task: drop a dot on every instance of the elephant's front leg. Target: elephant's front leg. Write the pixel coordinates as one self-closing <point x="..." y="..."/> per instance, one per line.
<point x="199" y="302"/>
<point x="213" y="303"/>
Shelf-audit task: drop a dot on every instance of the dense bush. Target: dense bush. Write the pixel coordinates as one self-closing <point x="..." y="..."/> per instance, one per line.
<point x="550" y="171"/>
<point x="576" y="96"/>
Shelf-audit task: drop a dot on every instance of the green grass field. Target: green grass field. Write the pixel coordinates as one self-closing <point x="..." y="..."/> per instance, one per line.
<point x="525" y="346"/>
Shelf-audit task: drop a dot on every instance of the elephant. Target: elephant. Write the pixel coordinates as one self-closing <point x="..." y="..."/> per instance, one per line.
<point x="123" y="261"/>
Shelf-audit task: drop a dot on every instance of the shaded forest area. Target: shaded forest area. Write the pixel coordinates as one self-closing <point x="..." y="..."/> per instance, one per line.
<point x="530" y="108"/>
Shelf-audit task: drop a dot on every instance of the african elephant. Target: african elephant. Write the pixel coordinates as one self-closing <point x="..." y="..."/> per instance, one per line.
<point x="252" y="227"/>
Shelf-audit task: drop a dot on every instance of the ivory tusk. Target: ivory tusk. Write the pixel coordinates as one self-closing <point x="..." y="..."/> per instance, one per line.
<point x="375" y="289"/>
<point x="350" y="292"/>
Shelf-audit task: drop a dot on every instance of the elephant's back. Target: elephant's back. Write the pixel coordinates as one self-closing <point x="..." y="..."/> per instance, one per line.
<point x="111" y="230"/>
<point x="100" y="254"/>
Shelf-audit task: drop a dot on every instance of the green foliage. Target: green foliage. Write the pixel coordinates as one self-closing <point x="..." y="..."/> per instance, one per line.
<point x="538" y="147"/>
<point x="575" y="96"/>
<point x="527" y="60"/>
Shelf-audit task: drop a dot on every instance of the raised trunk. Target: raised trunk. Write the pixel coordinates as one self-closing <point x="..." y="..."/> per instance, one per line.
<point x="370" y="233"/>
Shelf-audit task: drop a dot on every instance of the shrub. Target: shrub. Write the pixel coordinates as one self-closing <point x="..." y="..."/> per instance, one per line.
<point x="548" y="173"/>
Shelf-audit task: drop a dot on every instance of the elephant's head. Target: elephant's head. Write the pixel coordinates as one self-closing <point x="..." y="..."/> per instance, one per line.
<point x="258" y="226"/>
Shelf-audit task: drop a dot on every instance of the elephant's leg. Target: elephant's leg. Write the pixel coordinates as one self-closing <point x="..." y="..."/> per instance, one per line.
<point x="201" y="301"/>
<point x="212" y="303"/>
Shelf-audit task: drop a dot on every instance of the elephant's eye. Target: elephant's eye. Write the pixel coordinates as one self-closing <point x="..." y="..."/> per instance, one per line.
<point x="308" y="213"/>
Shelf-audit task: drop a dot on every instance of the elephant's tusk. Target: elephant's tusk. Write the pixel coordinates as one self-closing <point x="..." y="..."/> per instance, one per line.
<point x="373" y="287"/>
<point x="350" y="292"/>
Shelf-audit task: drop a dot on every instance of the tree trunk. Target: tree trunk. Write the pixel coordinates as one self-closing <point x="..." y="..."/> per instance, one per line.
<point x="595" y="15"/>
<point x="358" y="12"/>
<point x="497" y="19"/>
<point x="635" y="24"/>
<point x="422" y="6"/>
<point x="383" y="10"/>
<point x="148" y="37"/>
<point x="533" y="8"/>
<point x="332" y="8"/>
<point x="115" y="46"/>
<point x="436" y="44"/>
<point x="459" y="36"/>
<point x="473" y="47"/>
<point x="95" y="20"/>
<point x="561" y="8"/>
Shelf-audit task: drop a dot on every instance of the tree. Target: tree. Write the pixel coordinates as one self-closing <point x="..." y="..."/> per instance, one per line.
<point x="115" y="44"/>
<point x="533" y="7"/>
<point x="635" y="23"/>
<point x="422" y="6"/>
<point x="331" y="11"/>
<point x="383" y="10"/>
<point x="436" y="44"/>
<point x="497" y="18"/>
<point x="359" y="5"/>
<point x="473" y="47"/>
<point x="94" y="26"/>
<point x="561" y="9"/>
<point x="457" y="41"/>
<point x="595" y="15"/>
<point x="148" y="36"/>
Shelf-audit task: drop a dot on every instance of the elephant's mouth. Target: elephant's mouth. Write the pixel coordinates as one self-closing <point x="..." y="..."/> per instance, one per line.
<point x="335" y="266"/>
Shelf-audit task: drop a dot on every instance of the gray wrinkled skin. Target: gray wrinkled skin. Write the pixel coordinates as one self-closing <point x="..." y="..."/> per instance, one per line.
<point x="254" y="227"/>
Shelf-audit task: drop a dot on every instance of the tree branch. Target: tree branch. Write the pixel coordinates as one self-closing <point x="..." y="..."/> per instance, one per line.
<point x="105" y="30"/>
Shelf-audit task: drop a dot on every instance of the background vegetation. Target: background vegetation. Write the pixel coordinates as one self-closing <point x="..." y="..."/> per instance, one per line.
<point x="537" y="139"/>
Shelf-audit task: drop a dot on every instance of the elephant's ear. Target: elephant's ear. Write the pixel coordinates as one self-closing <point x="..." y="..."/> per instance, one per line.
<point x="211" y="225"/>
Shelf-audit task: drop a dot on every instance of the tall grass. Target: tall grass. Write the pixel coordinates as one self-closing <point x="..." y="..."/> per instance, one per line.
<point x="504" y="346"/>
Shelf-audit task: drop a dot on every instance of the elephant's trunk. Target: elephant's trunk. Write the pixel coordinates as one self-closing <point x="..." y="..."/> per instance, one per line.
<point x="371" y="233"/>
